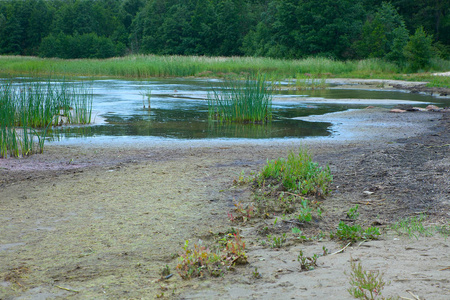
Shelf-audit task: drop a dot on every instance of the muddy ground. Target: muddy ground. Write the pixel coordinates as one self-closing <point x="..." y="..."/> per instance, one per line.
<point x="99" y="222"/>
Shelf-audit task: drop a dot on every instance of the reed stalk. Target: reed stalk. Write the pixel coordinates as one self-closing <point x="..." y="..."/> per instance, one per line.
<point x="249" y="101"/>
<point x="29" y="109"/>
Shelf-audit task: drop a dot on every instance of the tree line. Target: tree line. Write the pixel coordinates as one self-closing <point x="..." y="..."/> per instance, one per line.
<point x="398" y="30"/>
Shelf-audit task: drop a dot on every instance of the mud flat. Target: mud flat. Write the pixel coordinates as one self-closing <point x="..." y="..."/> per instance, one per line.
<point x="100" y="221"/>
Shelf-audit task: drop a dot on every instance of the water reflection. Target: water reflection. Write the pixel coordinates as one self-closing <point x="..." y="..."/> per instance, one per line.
<point x="179" y="111"/>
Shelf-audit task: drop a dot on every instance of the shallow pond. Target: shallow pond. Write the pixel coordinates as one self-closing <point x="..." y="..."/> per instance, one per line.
<point x="179" y="110"/>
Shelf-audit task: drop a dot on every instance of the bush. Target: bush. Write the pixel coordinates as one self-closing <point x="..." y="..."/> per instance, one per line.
<point x="419" y="50"/>
<point x="78" y="46"/>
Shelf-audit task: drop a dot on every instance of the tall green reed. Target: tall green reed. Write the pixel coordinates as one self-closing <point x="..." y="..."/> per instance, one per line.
<point x="30" y="108"/>
<point x="248" y="101"/>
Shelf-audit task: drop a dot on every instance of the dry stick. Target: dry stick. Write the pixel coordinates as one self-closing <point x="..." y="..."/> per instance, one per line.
<point x="63" y="288"/>
<point x="415" y="296"/>
<point x="293" y="194"/>
<point x="447" y="268"/>
<point x="339" y="251"/>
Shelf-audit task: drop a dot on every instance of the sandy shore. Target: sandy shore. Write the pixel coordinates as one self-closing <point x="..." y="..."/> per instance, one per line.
<point x="100" y="221"/>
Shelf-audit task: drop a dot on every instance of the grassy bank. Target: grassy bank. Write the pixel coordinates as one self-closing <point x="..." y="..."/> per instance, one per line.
<point x="139" y="66"/>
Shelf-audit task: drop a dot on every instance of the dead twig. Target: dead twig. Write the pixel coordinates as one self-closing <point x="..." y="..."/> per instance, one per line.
<point x="293" y="222"/>
<point x="415" y="296"/>
<point x="342" y="250"/>
<point x="447" y="268"/>
<point x="66" y="289"/>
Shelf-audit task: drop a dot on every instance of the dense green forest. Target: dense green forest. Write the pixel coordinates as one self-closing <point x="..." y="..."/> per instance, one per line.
<point x="399" y="30"/>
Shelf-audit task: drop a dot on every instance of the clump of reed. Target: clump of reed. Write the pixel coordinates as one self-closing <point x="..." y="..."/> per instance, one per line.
<point x="248" y="101"/>
<point x="29" y="109"/>
<point x="308" y="81"/>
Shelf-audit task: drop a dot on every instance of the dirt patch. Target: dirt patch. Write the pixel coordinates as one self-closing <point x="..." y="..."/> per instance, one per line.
<point x="101" y="222"/>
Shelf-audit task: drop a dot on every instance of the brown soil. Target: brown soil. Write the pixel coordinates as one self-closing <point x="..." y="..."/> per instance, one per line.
<point x="99" y="222"/>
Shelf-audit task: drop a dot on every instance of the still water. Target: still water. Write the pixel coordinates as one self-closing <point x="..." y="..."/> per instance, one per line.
<point x="179" y="111"/>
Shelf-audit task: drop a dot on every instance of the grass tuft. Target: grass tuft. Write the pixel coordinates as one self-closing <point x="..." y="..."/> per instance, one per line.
<point x="298" y="174"/>
<point x="242" y="102"/>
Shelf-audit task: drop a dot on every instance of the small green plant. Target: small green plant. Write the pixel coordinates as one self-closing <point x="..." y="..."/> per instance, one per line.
<point x="297" y="174"/>
<point x="353" y="213"/>
<point x="242" y="179"/>
<point x="412" y="226"/>
<point x="305" y="212"/>
<point x="276" y="241"/>
<point x="165" y="271"/>
<point x="200" y="260"/>
<point x="242" y="213"/>
<point x="443" y="230"/>
<point x="256" y="274"/>
<point x="365" y="284"/>
<point x="234" y="251"/>
<point x="307" y="263"/>
<point x="303" y="238"/>
<point x="194" y="262"/>
<point x="371" y="233"/>
<point x="355" y="232"/>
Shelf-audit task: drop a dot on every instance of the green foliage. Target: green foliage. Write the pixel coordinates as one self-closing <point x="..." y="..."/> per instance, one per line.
<point x="353" y="213"/>
<point x="383" y="35"/>
<point x="139" y="66"/>
<point x="353" y="233"/>
<point x="307" y="263"/>
<point x="305" y="212"/>
<point x="276" y="241"/>
<point x="87" y="45"/>
<point x="298" y="174"/>
<point x="308" y="81"/>
<point x="366" y="285"/>
<point x="412" y="226"/>
<point x="241" y="213"/>
<point x="248" y="102"/>
<point x="419" y="50"/>
<point x="273" y="28"/>
<point x="201" y="260"/>
<point x="194" y="262"/>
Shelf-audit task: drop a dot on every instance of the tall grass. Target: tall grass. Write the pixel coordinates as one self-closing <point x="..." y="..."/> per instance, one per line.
<point x="248" y="101"/>
<point x="144" y="66"/>
<point x="309" y="82"/>
<point x="29" y="109"/>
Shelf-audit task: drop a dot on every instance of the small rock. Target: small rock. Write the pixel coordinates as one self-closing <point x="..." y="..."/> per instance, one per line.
<point x="433" y="108"/>
<point x="397" y="110"/>
<point x="368" y="193"/>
